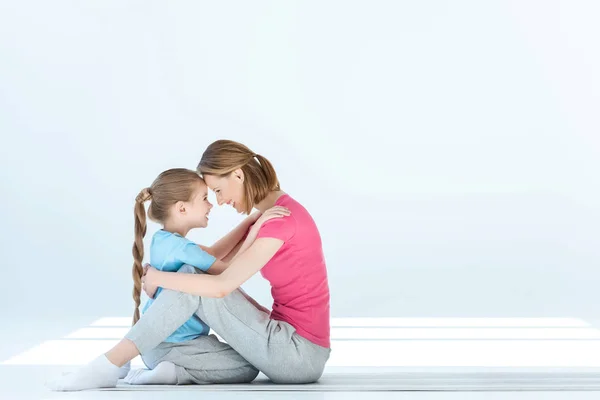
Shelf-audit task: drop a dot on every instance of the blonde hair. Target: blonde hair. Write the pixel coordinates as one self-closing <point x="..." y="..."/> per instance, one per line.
<point x="168" y="188"/>
<point x="225" y="156"/>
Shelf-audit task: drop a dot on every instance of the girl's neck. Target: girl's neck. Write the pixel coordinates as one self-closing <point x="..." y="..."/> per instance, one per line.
<point x="269" y="201"/>
<point x="173" y="228"/>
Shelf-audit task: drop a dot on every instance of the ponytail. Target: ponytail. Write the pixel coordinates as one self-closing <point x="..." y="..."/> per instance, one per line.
<point x="138" y="248"/>
<point x="261" y="180"/>
<point x="272" y="181"/>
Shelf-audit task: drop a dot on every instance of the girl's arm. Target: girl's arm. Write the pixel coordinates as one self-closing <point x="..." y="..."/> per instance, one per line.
<point x="227" y="243"/>
<point x="241" y="269"/>
<point x="249" y="240"/>
<point x="221" y="265"/>
<point x="233" y="252"/>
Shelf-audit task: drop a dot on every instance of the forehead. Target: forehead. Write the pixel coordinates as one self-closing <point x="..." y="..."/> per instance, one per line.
<point x="213" y="181"/>
<point x="200" y="188"/>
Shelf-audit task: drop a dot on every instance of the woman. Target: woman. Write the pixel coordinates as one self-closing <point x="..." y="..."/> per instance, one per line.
<point x="289" y="345"/>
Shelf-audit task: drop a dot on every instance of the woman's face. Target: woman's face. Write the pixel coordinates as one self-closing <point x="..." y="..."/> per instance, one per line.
<point x="229" y="189"/>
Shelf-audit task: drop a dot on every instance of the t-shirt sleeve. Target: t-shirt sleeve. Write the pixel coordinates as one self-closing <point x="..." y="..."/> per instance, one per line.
<point x="190" y="253"/>
<point x="278" y="228"/>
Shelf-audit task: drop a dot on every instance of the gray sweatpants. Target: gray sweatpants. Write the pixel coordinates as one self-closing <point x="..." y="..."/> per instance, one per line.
<point x="203" y="360"/>
<point x="253" y="340"/>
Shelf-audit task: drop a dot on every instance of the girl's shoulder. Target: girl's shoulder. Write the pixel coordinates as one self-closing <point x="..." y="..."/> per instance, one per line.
<point x="167" y="239"/>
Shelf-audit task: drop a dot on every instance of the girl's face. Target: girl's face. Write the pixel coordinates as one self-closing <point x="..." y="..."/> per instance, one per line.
<point x="198" y="207"/>
<point x="228" y="189"/>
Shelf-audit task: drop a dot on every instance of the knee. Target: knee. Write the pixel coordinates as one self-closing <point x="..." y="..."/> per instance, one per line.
<point x="295" y="375"/>
<point x="294" y="380"/>
<point x="189" y="269"/>
<point x="250" y="374"/>
<point x="244" y="374"/>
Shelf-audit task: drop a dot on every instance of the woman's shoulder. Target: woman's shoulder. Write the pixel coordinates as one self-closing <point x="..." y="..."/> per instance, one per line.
<point x="299" y="213"/>
<point x="290" y="202"/>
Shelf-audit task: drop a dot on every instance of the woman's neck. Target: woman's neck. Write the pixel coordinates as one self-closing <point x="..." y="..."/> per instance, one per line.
<point x="269" y="201"/>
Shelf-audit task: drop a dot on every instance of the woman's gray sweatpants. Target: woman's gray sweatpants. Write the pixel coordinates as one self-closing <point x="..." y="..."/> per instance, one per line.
<point x="254" y="341"/>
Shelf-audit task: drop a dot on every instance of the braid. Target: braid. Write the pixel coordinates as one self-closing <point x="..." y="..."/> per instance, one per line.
<point x="138" y="249"/>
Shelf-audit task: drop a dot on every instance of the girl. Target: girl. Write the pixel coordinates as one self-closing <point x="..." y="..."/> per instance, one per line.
<point x="289" y="345"/>
<point x="179" y="201"/>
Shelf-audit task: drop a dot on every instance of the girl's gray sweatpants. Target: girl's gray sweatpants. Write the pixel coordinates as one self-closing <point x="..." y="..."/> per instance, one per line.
<point x="254" y="341"/>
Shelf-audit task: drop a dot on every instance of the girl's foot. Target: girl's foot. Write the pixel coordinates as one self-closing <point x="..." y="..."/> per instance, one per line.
<point x="164" y="373"/>
<point x="125" y="370"/>
<point x="100" y="373"/>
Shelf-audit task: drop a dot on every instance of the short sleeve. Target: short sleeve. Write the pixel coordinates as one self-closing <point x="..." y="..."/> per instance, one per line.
<point x="190" y="253"/>
<point x="278" y="228"/>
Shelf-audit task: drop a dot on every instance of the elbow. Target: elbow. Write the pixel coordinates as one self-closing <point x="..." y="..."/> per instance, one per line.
<point x="222" y="290"/>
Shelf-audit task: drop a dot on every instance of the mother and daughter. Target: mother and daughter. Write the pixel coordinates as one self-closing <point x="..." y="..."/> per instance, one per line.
<point x="194" y="288"/>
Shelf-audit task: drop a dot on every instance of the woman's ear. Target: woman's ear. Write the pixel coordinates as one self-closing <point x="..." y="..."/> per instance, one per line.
<point x="238" y="174"/>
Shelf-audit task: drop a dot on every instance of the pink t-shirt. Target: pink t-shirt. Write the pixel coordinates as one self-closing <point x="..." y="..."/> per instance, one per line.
<point x="297" y="273"/>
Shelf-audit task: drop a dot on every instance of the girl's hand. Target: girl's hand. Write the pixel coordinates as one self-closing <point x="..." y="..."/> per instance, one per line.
<point x="147" y="280"/>
<point x="273" y="212"/>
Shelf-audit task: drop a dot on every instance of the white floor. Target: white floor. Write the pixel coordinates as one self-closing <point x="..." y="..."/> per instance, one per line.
<point x="34" y="350"/>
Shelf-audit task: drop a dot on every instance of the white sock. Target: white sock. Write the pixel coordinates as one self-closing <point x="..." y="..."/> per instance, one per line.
<point x="165" y="373"/>
<point x="125" y="370"/>
<point x="100" y="373"/>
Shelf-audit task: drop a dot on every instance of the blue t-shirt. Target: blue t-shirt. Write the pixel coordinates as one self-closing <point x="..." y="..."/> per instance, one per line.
<point x="168" y="252"/>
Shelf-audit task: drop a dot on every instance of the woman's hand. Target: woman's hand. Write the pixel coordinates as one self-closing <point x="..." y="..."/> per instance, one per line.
<point x="148" y="280"/>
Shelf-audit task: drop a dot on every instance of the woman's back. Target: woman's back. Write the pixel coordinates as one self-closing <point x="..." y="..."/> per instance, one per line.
<point x="298" y="274"/>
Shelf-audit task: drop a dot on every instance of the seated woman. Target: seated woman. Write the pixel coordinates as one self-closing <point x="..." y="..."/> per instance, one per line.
<point x="289" y="345"/>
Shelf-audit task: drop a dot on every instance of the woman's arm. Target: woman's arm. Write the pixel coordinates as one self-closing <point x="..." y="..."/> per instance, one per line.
<point x="227" y="243"/>
<point x="241" y="269"/>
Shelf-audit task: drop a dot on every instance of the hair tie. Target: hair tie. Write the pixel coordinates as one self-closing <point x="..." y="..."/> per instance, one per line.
<point x="252" y="156"/>
<point x="144" y="196"/>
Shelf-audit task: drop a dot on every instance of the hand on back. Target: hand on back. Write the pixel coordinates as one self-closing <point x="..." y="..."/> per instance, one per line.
<point x="271" y="213"/>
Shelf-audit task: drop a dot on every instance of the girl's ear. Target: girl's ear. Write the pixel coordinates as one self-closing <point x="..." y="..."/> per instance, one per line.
<point x="180" y="207"/>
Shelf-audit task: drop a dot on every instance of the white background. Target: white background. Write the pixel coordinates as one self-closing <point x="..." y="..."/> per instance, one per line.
<point x="448" y="151"/>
